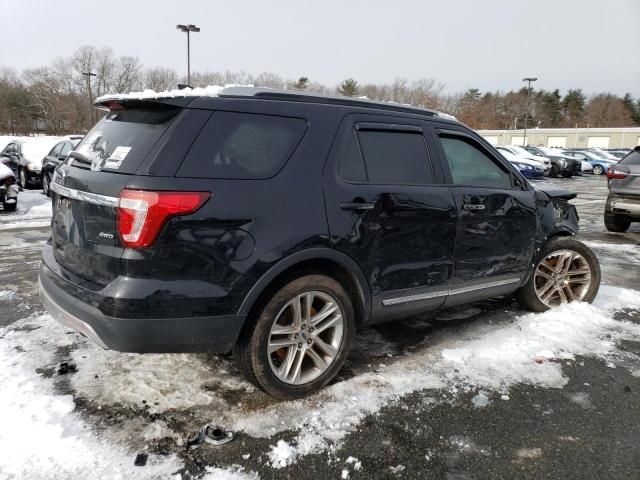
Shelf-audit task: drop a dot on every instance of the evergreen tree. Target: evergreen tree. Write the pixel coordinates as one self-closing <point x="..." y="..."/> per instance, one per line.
<point x="573" y="105"/>
<point x="302" y="83"/>
<point x="633" y="107"/>
<point x="349" y="88"/>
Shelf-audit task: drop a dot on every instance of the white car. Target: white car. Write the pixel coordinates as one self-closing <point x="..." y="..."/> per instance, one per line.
<point x="522" y="154"/>
<point x="586" y="167"/>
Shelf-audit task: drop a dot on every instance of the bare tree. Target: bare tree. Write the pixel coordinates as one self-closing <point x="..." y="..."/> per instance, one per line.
<point x="159" y="79"/>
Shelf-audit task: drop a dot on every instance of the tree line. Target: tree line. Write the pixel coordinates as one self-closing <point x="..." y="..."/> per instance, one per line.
<point x="55" y="98"/>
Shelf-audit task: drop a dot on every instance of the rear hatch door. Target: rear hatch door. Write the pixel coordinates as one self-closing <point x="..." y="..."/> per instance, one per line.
<point x="86" y="187"/>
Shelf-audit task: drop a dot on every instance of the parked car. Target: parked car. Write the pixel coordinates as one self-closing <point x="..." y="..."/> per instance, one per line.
<point x="623" y="202"/>
<point x="54" y="158"/>
<point x="522" y="154"/>
<point x="276" y="223"/>
<point x="599" y="165"/>
<point x="619" y="152"/>
<point x="560" y="164"/>
<point x="528" y="168"/>
<point x="586" y="167"/>
<point x="8" y="189"/>
<point x="24" y="156"/>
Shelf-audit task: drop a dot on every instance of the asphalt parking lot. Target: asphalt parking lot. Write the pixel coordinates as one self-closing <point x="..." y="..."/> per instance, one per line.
<point x="481" y="391"/>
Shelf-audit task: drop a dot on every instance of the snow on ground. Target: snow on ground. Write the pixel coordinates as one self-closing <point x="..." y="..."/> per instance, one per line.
<point x="41" y="436"/>
<point x="484" y="356"/>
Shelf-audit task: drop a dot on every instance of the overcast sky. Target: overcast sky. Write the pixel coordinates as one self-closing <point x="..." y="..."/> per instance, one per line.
<point x="488" y="44"/>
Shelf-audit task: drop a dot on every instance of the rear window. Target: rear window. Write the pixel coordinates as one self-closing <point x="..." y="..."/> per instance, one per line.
<point x="122" y="139"/>
<point x="395" y="157"/>
<point x="242" y="146"/>
<point x="632" y="158"/>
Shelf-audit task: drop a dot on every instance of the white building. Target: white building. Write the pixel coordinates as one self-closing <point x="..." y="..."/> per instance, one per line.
<point x="567" y="137"/>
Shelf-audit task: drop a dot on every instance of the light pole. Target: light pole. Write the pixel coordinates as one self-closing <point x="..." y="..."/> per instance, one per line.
<point x="526" y="112"/>
<point x="89" y="75"/>
<point x="188" y="29"/>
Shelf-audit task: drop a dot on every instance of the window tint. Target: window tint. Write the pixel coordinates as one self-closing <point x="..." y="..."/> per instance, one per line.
<point x="395" y="157"/>
<point x="242" y="145"/>
<point x="633" y="158"/>
<point x="10" y="149"/>
<point x="471" y="166"/>
<point x="66" y="148"/>
<point x="55" y="151"/>
<point x="351" y="166"/>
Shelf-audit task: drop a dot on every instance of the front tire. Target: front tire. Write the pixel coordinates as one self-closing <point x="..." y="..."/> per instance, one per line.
<point x="45" y="184"/>
<point x="554" y="172"/>
<point x="22" y="176"/>
<point x="616" y="223"/>
<point x="298" y="338"/>
<point x="9" y="206"/>
<point x="565" y="271"/>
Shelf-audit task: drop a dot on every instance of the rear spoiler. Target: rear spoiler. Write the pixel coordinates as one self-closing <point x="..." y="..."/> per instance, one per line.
<point x="115" y="102"/>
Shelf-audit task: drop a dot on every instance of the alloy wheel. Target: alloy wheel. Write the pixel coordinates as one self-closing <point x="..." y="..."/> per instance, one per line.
<point x="561" y="277"/>
<point x="45" y="184"/>
<point x="598" y="170"/>
<point x="23" y="178"/>
<point x="305" y="337"/>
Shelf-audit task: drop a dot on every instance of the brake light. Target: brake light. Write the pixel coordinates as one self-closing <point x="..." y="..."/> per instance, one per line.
<point x="612" y="172"/>
<point x="112" y="105"/>
<point x="142" y="214"/>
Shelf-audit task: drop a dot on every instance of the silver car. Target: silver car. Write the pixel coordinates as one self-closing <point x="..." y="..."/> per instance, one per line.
<point x="623" y="203"/>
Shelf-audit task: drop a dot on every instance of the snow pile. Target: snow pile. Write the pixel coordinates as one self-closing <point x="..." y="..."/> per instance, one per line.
<point x="41" y="437"/>
<point x="284" y="454"/>
<point x="209" y="91"/>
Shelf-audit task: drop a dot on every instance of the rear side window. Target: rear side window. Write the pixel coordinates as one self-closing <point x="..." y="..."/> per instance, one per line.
<point x="632" y="158"/>
<point x="470" y="166"/>
<point x="122" y="139"/>
<point x="395" y="157"/>
<point x="242" y="146"/>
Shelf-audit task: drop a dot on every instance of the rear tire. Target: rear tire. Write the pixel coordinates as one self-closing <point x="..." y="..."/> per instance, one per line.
<point x="616" y="223"/>
<point x="267" y="368"/>
<point x="598" y="170"/>
<point x="533" y="295"/>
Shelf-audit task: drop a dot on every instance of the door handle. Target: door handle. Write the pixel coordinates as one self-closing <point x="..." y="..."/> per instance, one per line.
<point x="357" y="206"/>
<point x="473" y="206"/>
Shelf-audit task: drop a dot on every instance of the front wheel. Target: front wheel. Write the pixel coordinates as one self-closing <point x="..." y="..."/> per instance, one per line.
<point x="45" y="184"/>
<point x="598" y="170"/>
<point x="298" y="339"/>
<point x="9" y="206"/>
<point x="22" y="176"/>
<point x="554" y="172"/>
<point x="566" y="271"/>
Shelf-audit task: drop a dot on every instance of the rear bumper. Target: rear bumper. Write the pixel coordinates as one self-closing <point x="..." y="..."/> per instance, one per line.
<point x="623" y="206"/>
<point x="149" y="335"/>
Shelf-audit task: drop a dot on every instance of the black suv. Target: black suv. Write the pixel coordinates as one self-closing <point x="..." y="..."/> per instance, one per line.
<point x="274" y="224"/>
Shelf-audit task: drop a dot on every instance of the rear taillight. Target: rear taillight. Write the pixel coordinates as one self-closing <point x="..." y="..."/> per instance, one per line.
<point x="142" y="214"/>
<point x="612" y="172"/>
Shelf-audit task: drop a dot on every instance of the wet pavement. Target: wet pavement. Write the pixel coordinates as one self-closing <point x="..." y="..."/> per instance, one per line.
<point x="583" y="427"/>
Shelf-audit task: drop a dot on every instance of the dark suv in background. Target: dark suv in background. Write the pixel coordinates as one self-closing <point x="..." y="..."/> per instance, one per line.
<point x="623" y="202"/>
<point x="274" y="224"/>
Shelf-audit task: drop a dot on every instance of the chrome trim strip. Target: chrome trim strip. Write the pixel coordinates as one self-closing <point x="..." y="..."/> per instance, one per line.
<point x="630" y="207"/>
<point x="84" y="196"/>
<point x="497" y="283"/>
<point x="455" y="291"/>
<point x="413" y="298"/>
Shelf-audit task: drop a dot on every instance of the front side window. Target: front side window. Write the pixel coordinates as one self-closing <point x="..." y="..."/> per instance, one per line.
<point x="470" y="166"/>
<point x="243" y="146"/>
<point x="395" y="157"/>
<point x="66" y="148"/>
